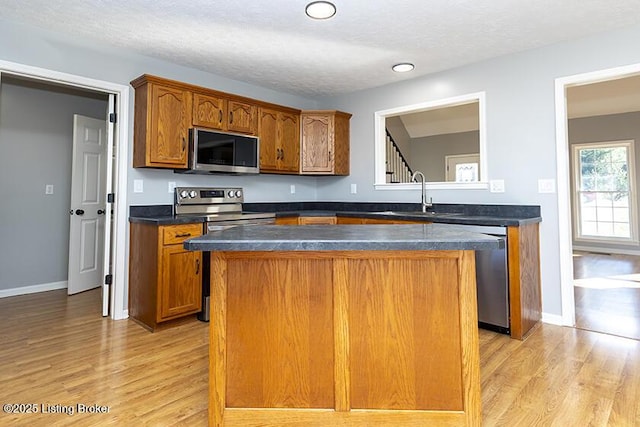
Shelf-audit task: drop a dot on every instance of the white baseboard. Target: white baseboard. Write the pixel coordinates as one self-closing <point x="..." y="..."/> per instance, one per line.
<point x="124" y="314"/>
<point x="552" y="319"/>
<point x="24" y="290"/>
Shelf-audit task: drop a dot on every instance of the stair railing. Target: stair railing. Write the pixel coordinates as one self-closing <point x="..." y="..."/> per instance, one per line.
<point x="397" y="167"/>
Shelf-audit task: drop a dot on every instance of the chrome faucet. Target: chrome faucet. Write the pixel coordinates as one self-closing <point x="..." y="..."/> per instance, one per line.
<point x="425" y="205"/>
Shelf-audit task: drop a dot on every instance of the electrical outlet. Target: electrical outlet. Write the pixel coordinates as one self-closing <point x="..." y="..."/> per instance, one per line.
<point x="354" y="188"/>
<point x="293" y="189"/>
<point x="138" y="187"/>
<point x="171" y="186"/>
<point x="496" y="185"/>
<point x="48" y="189"/>
<point x="546" y="186"/>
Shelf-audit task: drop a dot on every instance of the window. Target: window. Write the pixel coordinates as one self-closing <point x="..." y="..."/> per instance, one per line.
<point x="604" y="191"/>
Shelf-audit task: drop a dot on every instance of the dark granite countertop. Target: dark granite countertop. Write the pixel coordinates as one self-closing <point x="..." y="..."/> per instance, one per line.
<point x="468" y="214"/>
<point x="422" y="237"/>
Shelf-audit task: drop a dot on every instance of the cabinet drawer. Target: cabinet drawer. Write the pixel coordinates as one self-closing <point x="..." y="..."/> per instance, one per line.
<point x="179" y="233"/>
<point x="322" y="220"/>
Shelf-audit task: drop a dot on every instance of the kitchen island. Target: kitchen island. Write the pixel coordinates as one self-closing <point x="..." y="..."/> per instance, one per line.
<point x="343" y="325"/>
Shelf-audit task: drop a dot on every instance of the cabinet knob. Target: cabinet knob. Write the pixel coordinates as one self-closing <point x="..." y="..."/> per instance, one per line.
<point x="183" y="235"/>
<point x="197" y="266"/>
<point x="230" y="116"/>
<point x="219" y="116"/>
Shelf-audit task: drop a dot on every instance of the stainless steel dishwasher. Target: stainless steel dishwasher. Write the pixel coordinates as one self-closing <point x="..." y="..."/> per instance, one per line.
<point x="492" y="280"/>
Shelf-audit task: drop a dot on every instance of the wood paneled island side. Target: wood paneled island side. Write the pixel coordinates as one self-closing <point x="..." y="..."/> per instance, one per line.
<point x="343" y="325"/>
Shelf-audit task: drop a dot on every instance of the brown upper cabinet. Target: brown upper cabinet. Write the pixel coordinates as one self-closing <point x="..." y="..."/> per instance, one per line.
<point x="279" y="132"/>
<point x="325" y="143"/>
<point x="291" y="141"/>
<point x="161" y="124"/>
<point x="216" y="112"/>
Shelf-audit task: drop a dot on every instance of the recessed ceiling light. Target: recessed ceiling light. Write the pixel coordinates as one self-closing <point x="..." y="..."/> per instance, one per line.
<point x="403" y="67"/>
<point x="320" y="10"/>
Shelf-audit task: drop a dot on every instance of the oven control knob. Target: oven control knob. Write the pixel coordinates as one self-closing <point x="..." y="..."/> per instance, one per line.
<point x="230" y="193"/>
<point x="183" y="194"/>
<point x="192" y="194"/>
<point x="238" y="193"/>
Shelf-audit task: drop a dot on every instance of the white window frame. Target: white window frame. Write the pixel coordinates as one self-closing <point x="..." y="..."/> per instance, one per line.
<point x="380" y="137"/>
<point x="633" y="215"/>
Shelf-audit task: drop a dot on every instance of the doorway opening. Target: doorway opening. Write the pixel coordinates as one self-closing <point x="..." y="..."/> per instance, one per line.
<point x="118" y="101"/>
<point x="598" y="137"/>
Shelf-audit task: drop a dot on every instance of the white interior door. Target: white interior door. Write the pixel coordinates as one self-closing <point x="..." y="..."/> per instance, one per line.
<point x="88" y="204"/>
<point x="462" y="168"/>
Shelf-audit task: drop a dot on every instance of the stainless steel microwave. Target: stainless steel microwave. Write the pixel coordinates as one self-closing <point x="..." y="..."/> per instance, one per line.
<point x="223" y="152"/>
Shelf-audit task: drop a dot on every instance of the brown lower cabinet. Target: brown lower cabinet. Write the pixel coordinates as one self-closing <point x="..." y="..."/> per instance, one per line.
<point x="165" y="280"/>
<point x="338" y="338"/>
<point x="308" y="220"/>
<point x="348" y="220"/>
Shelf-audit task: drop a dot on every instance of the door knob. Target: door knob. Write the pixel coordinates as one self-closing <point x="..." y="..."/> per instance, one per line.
<point x="79" y="212"/>
<point x="100" y="211"/>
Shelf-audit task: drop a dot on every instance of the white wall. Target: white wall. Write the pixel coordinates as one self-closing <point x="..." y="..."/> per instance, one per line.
<point x="520" y="129"/>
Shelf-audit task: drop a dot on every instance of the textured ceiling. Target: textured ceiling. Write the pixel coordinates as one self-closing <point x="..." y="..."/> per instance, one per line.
<point x="273" y="44"/>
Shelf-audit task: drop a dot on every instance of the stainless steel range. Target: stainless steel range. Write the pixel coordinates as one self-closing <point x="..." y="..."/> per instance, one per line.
<point x="222" y="209"/>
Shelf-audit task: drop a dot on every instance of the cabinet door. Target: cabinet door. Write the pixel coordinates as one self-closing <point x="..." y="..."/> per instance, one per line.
<point x="289" y="141"/>
<point x="180" y="290"/>
<point x="209" y="111"/>
<point x="350" y="220"/>
<point x="268" y="130"/>
<point x="317" y="220"/>
<point x="242" y="117"/>
<point x="289" y="220"/>
<point x="317" y="143"/>
<point x="170" y="121"/>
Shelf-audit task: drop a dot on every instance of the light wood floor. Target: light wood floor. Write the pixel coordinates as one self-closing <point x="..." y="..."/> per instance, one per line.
<point x="607" y="293"/>
<point x="58" y="350"/>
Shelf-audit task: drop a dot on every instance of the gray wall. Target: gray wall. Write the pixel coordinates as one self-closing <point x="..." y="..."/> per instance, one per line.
<point x="520" y="120"/>
<point x="521" y="143"/>
<point x="614" y="127"/>
<point x="400" y="136"/>
<point x="35" y="47"/>
<point x="428" y="153"/>
<point x="36" y="141"/>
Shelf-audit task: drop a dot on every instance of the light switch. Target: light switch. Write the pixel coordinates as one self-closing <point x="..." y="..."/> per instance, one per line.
<point x="171" y="186"/>
<point x="293" y="189"/>
<point x="354" y="188"/>
<point x="546" y="186"/>
<point x="48" y="189"/>
<point x="137" y="186"/>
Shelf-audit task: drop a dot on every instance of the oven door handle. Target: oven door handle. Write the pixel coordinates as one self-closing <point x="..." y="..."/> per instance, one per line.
<point x="211" y="228"/>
